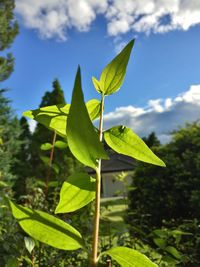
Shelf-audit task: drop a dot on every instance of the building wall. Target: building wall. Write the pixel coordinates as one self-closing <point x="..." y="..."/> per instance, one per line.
<point x="112" y="187"/>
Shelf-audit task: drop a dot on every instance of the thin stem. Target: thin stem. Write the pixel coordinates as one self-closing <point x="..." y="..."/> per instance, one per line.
<point x="94" y="258"/>
<point x="50" y="165"/>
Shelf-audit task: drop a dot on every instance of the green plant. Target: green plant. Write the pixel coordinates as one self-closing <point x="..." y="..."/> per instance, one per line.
<point x="74" y="123"/>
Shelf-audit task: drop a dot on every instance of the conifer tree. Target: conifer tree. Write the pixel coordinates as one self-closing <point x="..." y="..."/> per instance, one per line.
<point x="8" y="31"/>
<point x="9" y="133"/>
<point x="62" y="158"/>
<point x="22" y="167"/>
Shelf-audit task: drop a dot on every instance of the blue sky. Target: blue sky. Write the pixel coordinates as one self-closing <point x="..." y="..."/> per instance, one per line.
<point x="162" y="84"/>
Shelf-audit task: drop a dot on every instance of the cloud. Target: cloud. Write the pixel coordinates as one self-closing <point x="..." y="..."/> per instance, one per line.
<point x="32" y="125"/>
<point x="54" y="18"/>
<point x="161" y="115"/>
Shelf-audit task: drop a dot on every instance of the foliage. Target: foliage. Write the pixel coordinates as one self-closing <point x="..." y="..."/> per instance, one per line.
<point x="22" y="167"/>
<point x="9" y="133"/>
<point x="173" y="193"/>
<point x="86" y="144"/>
<point x="165" y="204"/>
<point x="8" y="32"/>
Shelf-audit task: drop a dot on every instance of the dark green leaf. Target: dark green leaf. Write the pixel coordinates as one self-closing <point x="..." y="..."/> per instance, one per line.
<point x="113" y="75"/>
<point x="127" y="257"/>
<point x="174" y="252"/>
<point x="78" y="191"/>
<point x="123" y="140"/>
<point x="82" y="138"/>
<point x="47" y="228"/>
<point x="161" y="243"/>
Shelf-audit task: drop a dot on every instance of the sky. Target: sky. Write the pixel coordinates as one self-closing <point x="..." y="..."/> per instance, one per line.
<point x="161" y="91"/>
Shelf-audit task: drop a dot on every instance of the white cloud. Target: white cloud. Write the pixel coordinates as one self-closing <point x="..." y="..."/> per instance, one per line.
<point x="53" y="18"/>
<point x="161" y="115"/>
<point x="32" y="125"/>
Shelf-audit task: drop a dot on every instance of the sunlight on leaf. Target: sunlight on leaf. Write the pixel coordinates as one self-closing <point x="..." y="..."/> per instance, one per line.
<point x="82" y="138"/>
<point x="47" y="228"/>
<point x="127" y="257"/>
<point x="78" y="191"/>
<point x="113" y="74"/>
<point x="123" y="140"/>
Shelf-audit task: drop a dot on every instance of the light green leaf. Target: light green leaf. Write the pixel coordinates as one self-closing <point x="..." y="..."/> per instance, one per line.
<point x="82" y="138"/>
<point x="78" y="191"/>
<point x="55" y="117"/>
<point x="96" y="84"/>
<point x="3" y="184"/>
<point x="113" y="74"/>
<point x="61" y="144"/>
<point x="29" y="243"/>
<point x="47" y="228"/>
<point x="46" y="146"/>
<point x="123" y="140"/>
<point x="94" y="108"/>
<point x="174" y="252"/>
<point x="127" y="257"/>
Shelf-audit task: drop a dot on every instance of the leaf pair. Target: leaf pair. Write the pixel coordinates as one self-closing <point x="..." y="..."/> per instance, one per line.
<point x="55" y="117"/>
<point x="113" y="74"/>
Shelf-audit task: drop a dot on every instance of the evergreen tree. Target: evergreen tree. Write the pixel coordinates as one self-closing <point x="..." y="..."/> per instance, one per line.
<point x="8" y="32"/>
<point x="151" y="140"/>
<point x="22" y="168"/>
<point x="9" y="133"/>
<point x="62" y="158"/>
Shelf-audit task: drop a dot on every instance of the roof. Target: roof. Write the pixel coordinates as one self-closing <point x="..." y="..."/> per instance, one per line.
<point x="116" y="163"/>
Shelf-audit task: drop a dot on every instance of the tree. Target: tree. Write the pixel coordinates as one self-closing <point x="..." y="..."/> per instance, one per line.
<point x="172" y="193"/>
<point x="62" y="158"/>
<point x="22" y="167"/>
<point x="8" y="31"/>
<point x="151" y="140"/>
<point x="9" y="133"/>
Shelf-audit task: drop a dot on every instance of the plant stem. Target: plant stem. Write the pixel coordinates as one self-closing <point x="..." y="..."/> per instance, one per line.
<point x="50" y="164"/>
<point x="94" y="258"/>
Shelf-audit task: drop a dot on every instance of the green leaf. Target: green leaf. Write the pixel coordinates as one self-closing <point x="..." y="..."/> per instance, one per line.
<point x="12" y="262"/>
<point x="82" y="138"/>
<point x="127" y="257"/>
<point x="55" y="167"/>
<point x="55" y="117"/>
<point x="96" y="84"/>
<point x="46" y="146"/>
<point x="161" y="243"/>
<point x="94" y="108"/>
<point x="174" y="252"/>
<point x="78" y="191"/>
<point x="29" y="243"/>
<point x="123" y="140"/>
<point x="61" y="144"/>
<point x="45" y="160"/>
<point x="47" y="228"/>
<point x="113" y="74"/>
